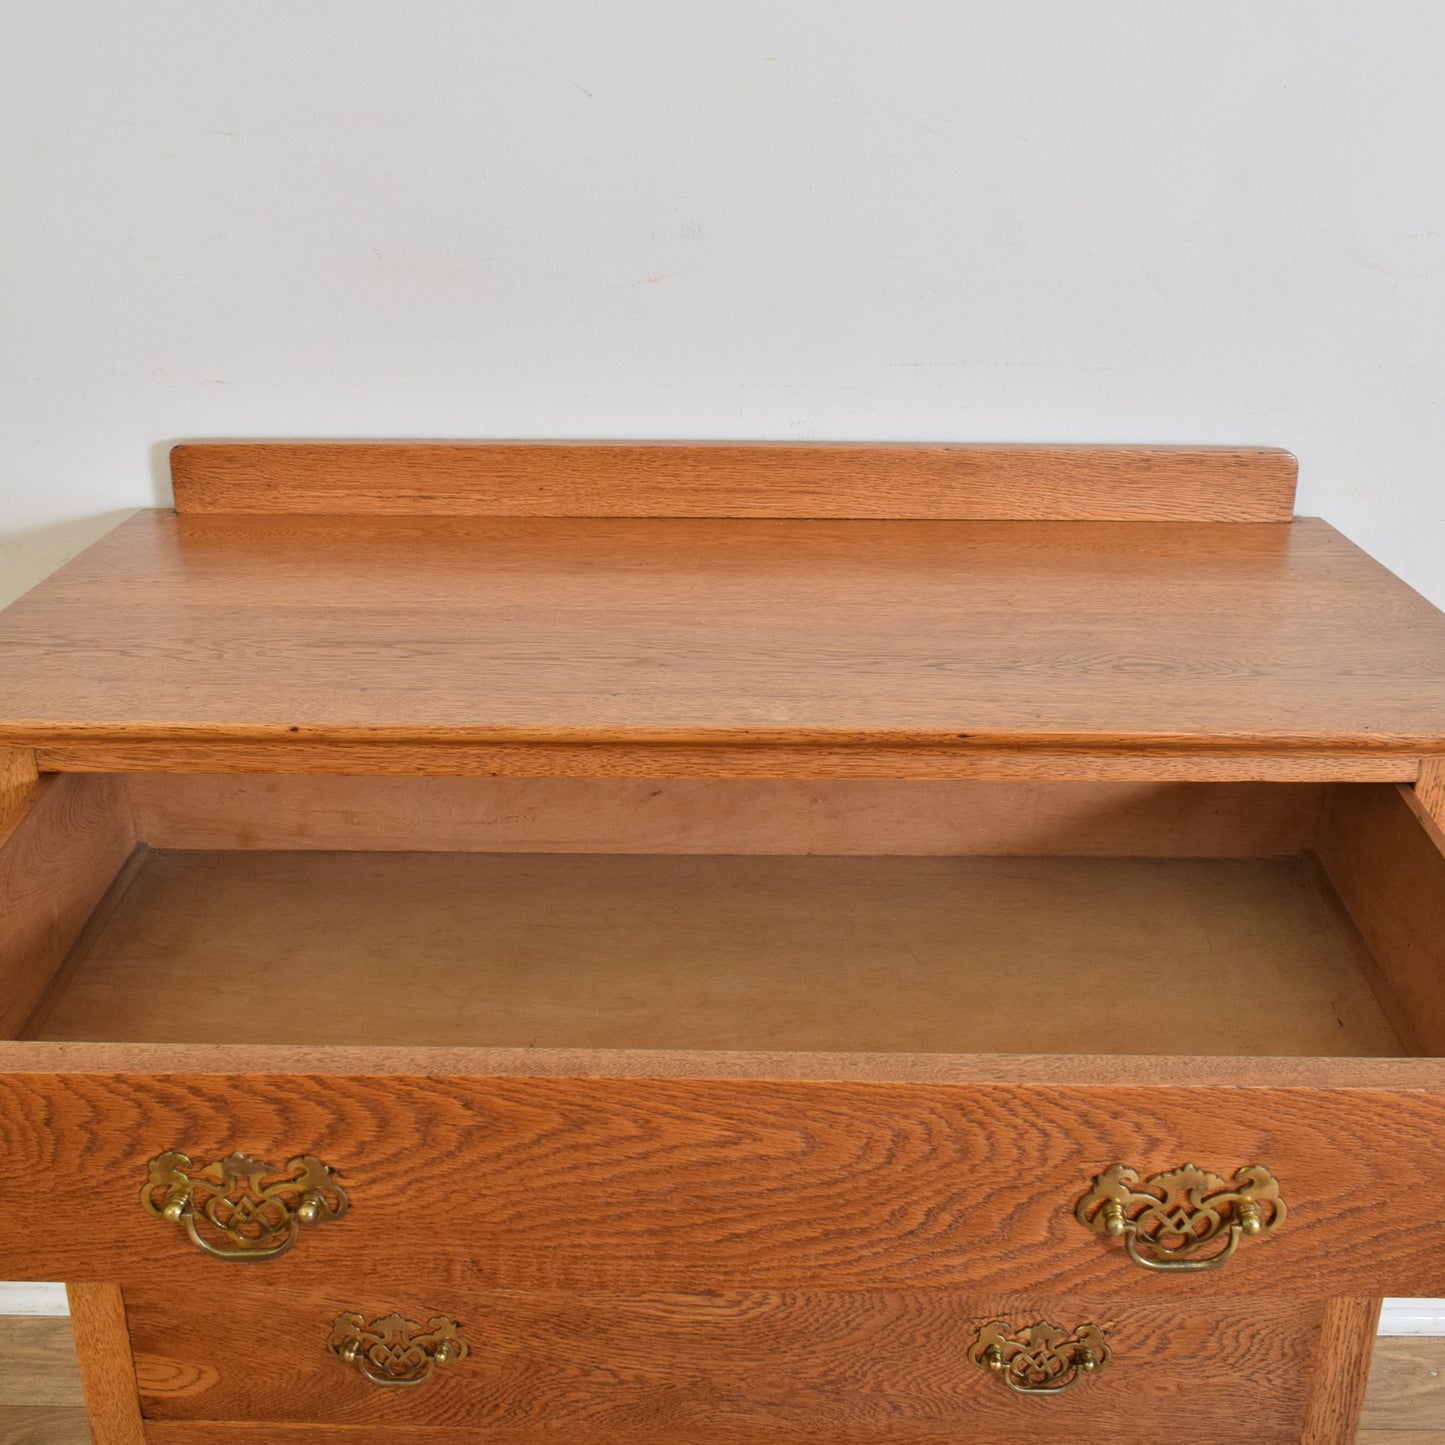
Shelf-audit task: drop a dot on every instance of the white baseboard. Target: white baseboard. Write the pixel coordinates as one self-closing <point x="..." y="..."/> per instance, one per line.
<point x="1413" y="1317"/>
<point x="33" y="1299"/>
<point x="1400" y="1316"/>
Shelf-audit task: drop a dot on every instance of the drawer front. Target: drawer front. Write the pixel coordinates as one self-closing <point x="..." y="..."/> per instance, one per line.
<point x="686" y="1184"/>
<point x="735" y="1365"/>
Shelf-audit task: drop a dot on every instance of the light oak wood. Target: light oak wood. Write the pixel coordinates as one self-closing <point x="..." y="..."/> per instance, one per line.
<point x="684" y="1184"/>
<point x="1407" y="1386"/>
<point x="686" y="816"/>
<point x="1386" y="859"/>
<point x="57" y="858"/>
<point x="95" y="926"/>
<point x="29" y="1060"/>
<point x="107" y="1373"/>
<point x="223" y="1433"/>
<point x="682" y="1367"/>
<point x="1430" y="788"/>
<point x="610" y="646"/>
<point x="949" y="955"/>
<point x="992" y="651"/>
<point x="37" y="1364"/>
<point x="44" y="1425"/>
<point x="1341" y="1372"/>
<point x="1407" y="1389"/>
<point x="1395" y="1009"/>
<point x="18" y="775"/>
<point x="738" y="479"/>
<point x="775" y="763"/>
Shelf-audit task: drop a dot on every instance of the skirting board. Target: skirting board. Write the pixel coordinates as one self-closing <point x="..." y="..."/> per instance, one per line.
<point x="1400" y="1316"/>
<point x="33" y="1299"/>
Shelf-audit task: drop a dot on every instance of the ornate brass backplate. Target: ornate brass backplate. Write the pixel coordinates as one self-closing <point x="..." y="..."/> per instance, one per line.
<point x="239" y="1208"/>
<point x="1040" y="1359"/>
<point x="396" y="1351"/>
<point x="1186" y="1219"/>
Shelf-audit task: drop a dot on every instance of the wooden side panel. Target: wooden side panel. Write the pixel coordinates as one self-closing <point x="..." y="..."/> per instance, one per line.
<point x="723" y="479"/>
<point x="18" y="775"/>
<point x="686" y="1366"/>
<point x="107" y="1373"/>
<point x="1386" y="859"/>
<point x="781" y="816"/>
<point x="638" y="1185"/>
<point x="1342" y="1370"/>
<point x="58" y="855"/>
<point x="1430" y="788"/>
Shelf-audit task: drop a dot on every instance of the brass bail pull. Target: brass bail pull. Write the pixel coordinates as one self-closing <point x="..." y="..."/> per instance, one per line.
<point x="394" y="1350"/>
<point x="1042" y="1358"/>
<point x="240" y="1208"/>
<point x="1184" y="1220"/>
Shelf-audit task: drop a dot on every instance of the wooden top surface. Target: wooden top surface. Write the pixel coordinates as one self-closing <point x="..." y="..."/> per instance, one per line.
<point x="937" y="634"/>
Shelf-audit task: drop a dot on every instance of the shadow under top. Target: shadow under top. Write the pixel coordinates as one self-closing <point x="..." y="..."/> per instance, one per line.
<point x="201" y="640"/>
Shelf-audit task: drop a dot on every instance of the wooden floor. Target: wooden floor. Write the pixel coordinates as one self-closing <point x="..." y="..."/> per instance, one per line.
<point x="40" y="1389"/>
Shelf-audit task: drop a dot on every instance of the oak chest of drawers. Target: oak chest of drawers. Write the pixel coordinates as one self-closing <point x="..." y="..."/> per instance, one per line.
<point x="723" y="943"/>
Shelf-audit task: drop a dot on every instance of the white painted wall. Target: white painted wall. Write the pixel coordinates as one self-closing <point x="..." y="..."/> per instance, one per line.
<point x="976" y="219"/>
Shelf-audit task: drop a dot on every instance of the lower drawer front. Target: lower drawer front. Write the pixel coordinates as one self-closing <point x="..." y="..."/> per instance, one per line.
<point x="727" y="1366"/>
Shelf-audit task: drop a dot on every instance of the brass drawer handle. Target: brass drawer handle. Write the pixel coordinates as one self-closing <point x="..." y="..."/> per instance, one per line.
<point x="397" y="1351"/>
<point x="1165" y="1221"/>
<point x="1040" y="1359"/>
<point x="239" y="1208"/>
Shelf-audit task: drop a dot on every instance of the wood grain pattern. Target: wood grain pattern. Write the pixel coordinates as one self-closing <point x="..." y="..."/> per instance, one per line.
<point x="1400" y="1365"/>
<point x="1386" y="859"/>
<point x="598" y="1184"/>
<point x="223" y="1432"/>
<point x="1407" y="1386"/>
<point x="56" y="861"/>
<point x="44" y="1425"/>
<point x="895" y="639"/>
<point x="654" y="951"/>
<point x="1430" y="788"/>
<point x="701" y="816"/>
<point x="767" y="762"/>
<point x="1027" y="1431"/>
<point x="102" y="1342"/>
<point x="738" y="479"/>
<point x="38" y="1425"/>
<point x="681" y="1366"/>
<point x="30" y="1060"/>
<point x="1392" y="1005"/>
<point x="18" y="775"/>
<point x="99" y="920"/>
<point x="1341" y="1372"/>
<point x="37" y="1364"/>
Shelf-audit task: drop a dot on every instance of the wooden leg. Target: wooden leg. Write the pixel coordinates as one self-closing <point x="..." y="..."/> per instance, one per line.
<point x="107" y="1372"/>
<point x="1342" y="1366"/>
